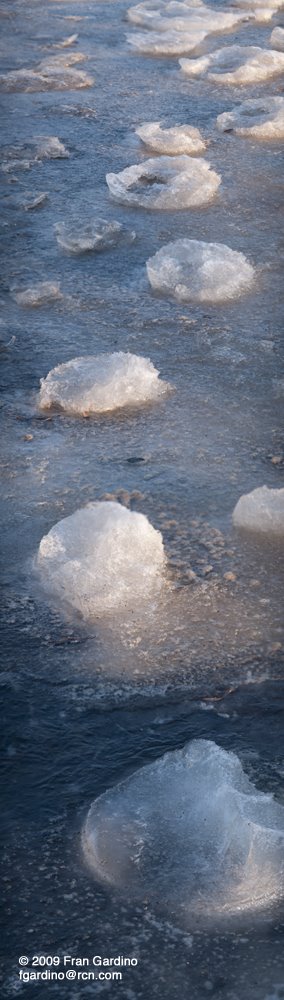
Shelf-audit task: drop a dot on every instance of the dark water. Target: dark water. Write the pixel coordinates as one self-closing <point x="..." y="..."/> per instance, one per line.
<point x="84" y="706"/>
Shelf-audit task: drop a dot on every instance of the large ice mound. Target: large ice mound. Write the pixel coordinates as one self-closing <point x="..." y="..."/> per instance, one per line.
<point x="166" y="182"/>
<point x="101" y="383"/>
<point x="103" y="558"/>
<point x="98" y="234"/>
<point x="261" y="511"/>
<point x="260" y="118"/>
<point x="194" y="271"/>
<point x="236" y="64"/>
<point x="189" y="831"/>
<point x="277" y="39"/>
<point x="181" y="139"/>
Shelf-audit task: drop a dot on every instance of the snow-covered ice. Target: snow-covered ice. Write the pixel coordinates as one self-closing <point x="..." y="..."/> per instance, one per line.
<point x="103" y="558"/>
<point x="262" y="118"/>
<point x="101" y="383"/>
<point x="165" y="182"/>
<point x="236" y="64"/>
<point x="261" y="511"/>
<point x="181" y="139"/>
<point x="39" y="294"/>
<point x="98" y="234"/>
<point x="191" y="832"/>
<point x="194" y="271"/>
<point x="277" y="39"/>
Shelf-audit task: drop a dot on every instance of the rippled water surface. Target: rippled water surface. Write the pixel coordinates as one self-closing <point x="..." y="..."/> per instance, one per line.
<point x="84" y="705"/>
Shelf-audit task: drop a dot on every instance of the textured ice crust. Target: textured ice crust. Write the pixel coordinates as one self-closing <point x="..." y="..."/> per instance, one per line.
<point x="236" y="64"/>
<point x="99" y="234"/>
<point x="185" y="18"/>
<point x="101" y="383"/>
<point x="176" y="141"/>
<point x="260" y="118"/>
<point x="189" y="831"/>
<point x="38" y="295"/>
<point x="103" y="558"/>
<point x="261" y="511"/>
<point x="166" y="182"/>
<point x="194" y="271"/>
<point x="277" y="39"/>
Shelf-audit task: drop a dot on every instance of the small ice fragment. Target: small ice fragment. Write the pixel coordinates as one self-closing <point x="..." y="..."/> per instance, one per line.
<point x="37" y="149"/>
<point x="66" y="42"/>
<point x="191" y="832"/>
<point x="172" y="141"/>
<point x="236" y="64"/>
<point x="98" y="234"/>
<point x="261" y="511"/>
<point x="38" y="295"/>
<point x="277" y="39"/>
<point x="166" y="182"/>
<point x="101" y="383"/>
<point x="260" y="118"/>
<point x="34" y="201"/>
<point x="194" y="271"/>
<point x="103" y="558"/>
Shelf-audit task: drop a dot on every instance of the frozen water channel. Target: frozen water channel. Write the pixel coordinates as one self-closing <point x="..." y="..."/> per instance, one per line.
<point x="90" y="700"/>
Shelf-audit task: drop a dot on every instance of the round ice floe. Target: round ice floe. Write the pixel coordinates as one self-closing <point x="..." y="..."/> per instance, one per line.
<point x="236" y="64"/>
<point x="166" y="43"/>
<point x="277" y="39"/>
<point x="261" y="511"/>
<point x="103" y="558"/>
<point x="101" y="383"/>
<point x="172" y="141"/>
<point x="95" y="235"/>
<point x="37" y="295"/>
<point x="165" y="182"/>
<point x="260" y="118"/>
<point x="189" y="831"/>
<point x="194" y="271"/>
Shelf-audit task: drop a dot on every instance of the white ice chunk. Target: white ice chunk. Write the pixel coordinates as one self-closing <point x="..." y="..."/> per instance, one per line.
<point x="277" y="39"/>
<point x="101" y="383"/>
<point x="144" y="14"/>
<point x="166" y="182"/>
<point x="181" y="139"/>
<point x="183" y="19"/>
<point x="167" y="43"/>
<point x="261" y="511"/>
<point x="190" y="832"/>
<point x="38" y="295"/>
<point x="193" y="271"/>
<point x="236" y="64"/>
<point x="259" y="4"/>
<point x="103" y="558"/>
<point x="260" y="118"/>
<point x="99" y="234"/>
